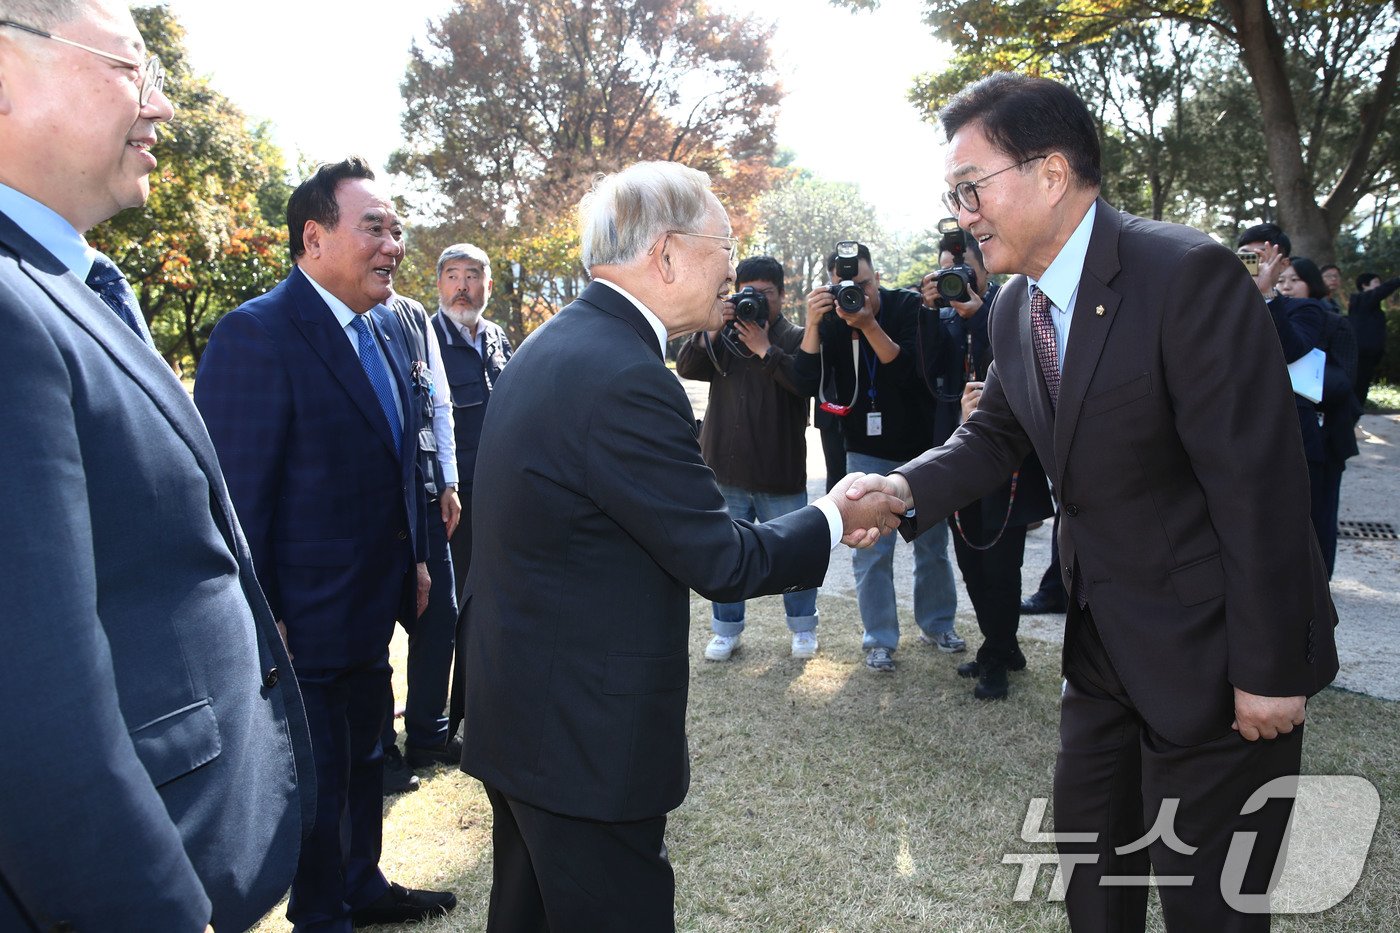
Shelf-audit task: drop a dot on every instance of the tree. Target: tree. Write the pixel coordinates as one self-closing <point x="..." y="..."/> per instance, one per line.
<point x="206" y="240"/>
<point x="513" y="105"/>
<point x="1323" y="73"/>
<point x="801" y="220"/>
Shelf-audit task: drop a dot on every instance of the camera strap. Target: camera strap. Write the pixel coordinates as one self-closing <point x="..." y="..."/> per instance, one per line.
<point x="1005" y="522"/>
<point x="833" y="408"/>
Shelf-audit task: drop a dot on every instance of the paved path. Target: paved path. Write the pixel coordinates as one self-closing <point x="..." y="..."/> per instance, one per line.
<point x="1365" y="586"/>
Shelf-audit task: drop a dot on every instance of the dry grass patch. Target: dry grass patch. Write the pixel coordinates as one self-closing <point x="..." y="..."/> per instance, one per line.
<point x="826" y="798"/>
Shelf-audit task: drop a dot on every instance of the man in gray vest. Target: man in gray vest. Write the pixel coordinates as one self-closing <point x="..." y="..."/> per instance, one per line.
<point x="474" y="351"/>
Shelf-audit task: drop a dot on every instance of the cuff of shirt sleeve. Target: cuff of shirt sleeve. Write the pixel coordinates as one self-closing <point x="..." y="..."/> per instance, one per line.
<point x="833" y="519"/>
<point x="449" y="473"/>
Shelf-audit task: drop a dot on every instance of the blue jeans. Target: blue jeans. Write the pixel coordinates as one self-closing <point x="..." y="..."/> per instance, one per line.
<point x="935" y="592"/>
<point x="747" y="506"/>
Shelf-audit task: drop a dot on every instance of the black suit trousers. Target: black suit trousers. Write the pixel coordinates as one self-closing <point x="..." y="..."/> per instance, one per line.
<point x="559" y="874"/>
<point x="1116" y="780"/>
<point x="993" y="580"/>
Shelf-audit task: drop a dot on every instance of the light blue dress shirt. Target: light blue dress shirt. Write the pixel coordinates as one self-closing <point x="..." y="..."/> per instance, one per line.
<point x="1060" y="283"/>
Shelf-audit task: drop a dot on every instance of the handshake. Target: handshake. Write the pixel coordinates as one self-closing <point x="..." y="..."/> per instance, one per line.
<point x="870" y="506"/>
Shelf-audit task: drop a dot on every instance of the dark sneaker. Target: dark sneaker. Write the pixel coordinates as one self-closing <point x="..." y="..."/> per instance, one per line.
<point x="878" y="659"/>
<point x="398" y="779"/>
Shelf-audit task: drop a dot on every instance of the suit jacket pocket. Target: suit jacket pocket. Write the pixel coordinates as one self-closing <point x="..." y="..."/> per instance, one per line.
<point x="1116" y="397"/>
<point x="629" y="674"/>
<point x="178" y="742"/>
<point x="333" y="552"/>
<point x="1199" y="581"/>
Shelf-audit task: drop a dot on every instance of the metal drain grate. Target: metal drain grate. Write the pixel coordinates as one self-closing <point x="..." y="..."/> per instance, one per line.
<point x="1367" y="531"/>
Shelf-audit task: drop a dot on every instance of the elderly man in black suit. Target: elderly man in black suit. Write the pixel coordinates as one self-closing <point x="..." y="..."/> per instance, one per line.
<point x="157" y="771"/>
<point x="602" y="517"/>
<point x="1139" y="362"/>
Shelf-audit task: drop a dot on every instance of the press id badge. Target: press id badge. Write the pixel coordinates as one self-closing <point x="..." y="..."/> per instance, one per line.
<point x="873" y="424"/>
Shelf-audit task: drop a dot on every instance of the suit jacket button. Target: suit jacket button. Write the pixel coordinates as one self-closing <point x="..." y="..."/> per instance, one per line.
<point x="1073" y="510"/>
<point x="270" y="678"/>
<point x="403" y="535"/>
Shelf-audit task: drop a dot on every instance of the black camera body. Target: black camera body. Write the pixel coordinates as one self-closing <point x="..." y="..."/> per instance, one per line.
<point x="849" y="296"/>
<point x="955" y="284"/>
<point x="750" y="305"/>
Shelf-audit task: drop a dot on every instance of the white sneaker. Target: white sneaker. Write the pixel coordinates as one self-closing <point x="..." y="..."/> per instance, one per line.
<point x="721" y="647"/>
<point x="804" y="644"/>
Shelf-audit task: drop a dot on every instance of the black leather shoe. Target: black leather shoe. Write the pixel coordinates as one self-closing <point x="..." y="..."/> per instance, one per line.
<point x="991" y="685"/>
<point x="404" y="905"/>
<point x="398" y="779"/>
<point x="1017" y="662"/>
<point x="1040" y="603"/>
<point x="426" y="756"/>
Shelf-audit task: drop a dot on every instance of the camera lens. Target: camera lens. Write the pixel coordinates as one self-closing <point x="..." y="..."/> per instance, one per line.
<point x="850" y="297"/>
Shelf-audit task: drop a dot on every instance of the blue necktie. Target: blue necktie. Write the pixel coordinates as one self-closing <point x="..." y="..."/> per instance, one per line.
<point x="111" y="286"/>
<point x="378" y="378"/>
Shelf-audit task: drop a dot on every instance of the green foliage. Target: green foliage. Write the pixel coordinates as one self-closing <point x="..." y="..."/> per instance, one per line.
<point x="512" y="107"/>
<point x="210" y="236"/>
<point x="1214" y="113"/>
<point x="800" y="222"/>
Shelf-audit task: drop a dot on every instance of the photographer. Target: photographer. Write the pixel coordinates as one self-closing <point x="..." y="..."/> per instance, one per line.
<point x="753" y="436"/>
<point x="860" y="359"/>
<point x="989" y="536"/>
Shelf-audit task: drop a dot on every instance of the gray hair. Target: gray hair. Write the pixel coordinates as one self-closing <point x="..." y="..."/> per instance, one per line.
<point x="462" y="251"/>
<point x="627" y="210"/>
<point x="41" y="14"/>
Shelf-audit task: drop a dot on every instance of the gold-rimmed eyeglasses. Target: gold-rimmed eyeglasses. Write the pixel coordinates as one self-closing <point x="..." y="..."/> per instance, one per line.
<point x="152" y="72"/>
<point x="964" y="193"/>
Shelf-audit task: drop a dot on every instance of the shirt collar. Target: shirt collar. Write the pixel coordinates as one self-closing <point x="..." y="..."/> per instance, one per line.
<point x="652" y="319"/>
<point x="1060" y="283"/>
<point x="50" y="230"/>
<point x="340" y="309"/>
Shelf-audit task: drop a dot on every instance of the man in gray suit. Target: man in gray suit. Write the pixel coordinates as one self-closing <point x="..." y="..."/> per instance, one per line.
<point x="157" y="771"/>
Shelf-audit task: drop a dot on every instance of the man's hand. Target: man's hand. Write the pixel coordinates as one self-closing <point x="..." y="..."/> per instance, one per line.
<point x="1271" y="266"/>
<point x="893" y="485"/>
<point x="863" y="319"/>
<point x="967" y="309"/>
<point x="1258" y="717"/>
<point x="820" y="302"/>
<point x="451" y="509"/>
<point x="425" y="584"/>
<point x="282" y="630"/>
<point x="866" y="517"/>
<point x="972" y="394"/>
<point x="754" y="337"/>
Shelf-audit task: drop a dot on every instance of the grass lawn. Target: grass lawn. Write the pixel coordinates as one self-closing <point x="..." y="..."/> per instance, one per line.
<point x="828" y="798"/>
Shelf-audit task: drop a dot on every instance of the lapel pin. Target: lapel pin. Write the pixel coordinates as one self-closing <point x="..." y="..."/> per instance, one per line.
<point x="1099" y="310"/>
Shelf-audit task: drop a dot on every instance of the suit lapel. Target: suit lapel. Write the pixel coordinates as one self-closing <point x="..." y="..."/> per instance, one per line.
<point x="321" y="329"/>
<point x="133" y="356"/>
<point x="397" y="353"/>
<point x="1095" y="307"/>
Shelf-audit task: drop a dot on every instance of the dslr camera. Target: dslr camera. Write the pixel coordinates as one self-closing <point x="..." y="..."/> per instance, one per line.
<point x="750" y="306"/>
<point x="849" y="296"/>
<point x="958" y="282"/>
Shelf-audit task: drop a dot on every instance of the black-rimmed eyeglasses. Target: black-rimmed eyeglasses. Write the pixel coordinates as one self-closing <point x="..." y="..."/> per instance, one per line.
<point x="152" y="72"/>
<point x="964" y="193"/>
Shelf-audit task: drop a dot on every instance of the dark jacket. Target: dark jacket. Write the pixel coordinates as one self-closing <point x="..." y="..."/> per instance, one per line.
<point x="1175" y="453"/>
<point x="1368" y="317"/>
<point x="471" y="377"/>
<point x="754" y="432"/>
<point x="594" y="518"/>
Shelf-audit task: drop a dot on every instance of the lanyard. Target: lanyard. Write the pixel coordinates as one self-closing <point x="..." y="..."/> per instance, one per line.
<point x="855" y="371"/>
<point x="870" y="363"/>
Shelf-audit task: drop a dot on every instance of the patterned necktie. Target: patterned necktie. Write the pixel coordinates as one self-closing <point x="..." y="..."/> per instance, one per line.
<point x="378" y="377"/>
<point x="111" y="286"/>
<point x="1043" y="335"/>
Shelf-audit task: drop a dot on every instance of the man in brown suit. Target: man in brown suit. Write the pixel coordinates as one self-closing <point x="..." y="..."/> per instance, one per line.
<point x="1199" y="618"/>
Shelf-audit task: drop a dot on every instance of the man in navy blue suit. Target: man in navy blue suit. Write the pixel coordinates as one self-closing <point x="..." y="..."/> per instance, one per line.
<point x="157" y="771"/>
<point x="307" y="395"/>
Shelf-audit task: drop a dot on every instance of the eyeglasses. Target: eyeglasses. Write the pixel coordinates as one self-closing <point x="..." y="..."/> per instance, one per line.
<point x="152" y="72"/>
<point x="964" y="193"/>
<point x="731" y="243"/>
